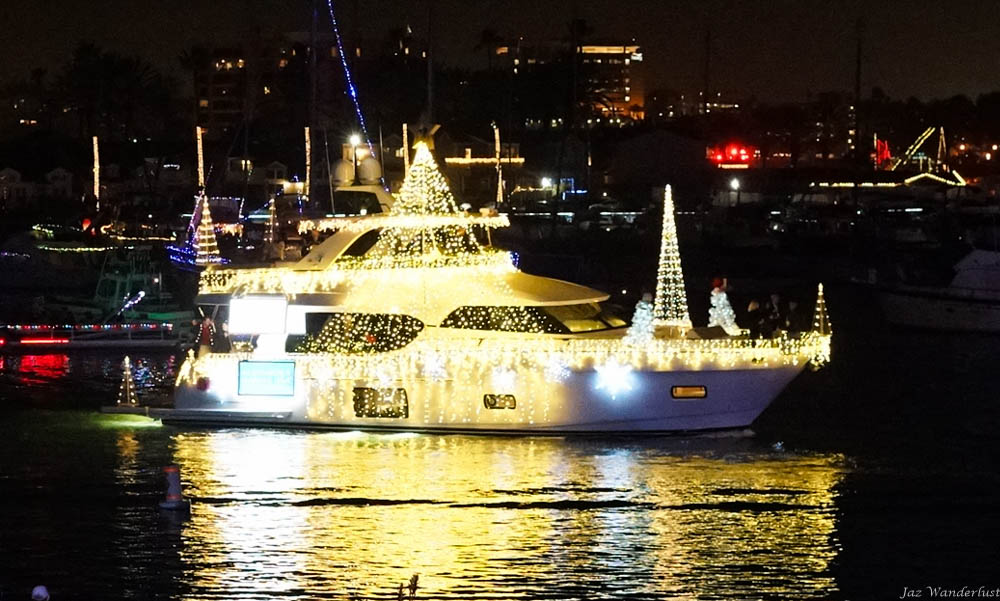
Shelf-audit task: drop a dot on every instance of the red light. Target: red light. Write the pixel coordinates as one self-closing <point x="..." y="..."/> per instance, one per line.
<point x="44" y="340"/>
<point x="2" y="342"/>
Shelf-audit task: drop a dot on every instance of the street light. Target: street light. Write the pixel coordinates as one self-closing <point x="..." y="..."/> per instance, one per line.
<point x="734" y="185"/>
<point x="355" y="141"/>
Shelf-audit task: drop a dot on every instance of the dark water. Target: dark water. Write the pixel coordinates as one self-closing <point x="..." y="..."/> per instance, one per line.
<point x="874" y="474"/>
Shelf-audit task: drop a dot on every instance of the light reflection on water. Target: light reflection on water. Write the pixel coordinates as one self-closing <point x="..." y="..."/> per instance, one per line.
<point x="302" y="515"/>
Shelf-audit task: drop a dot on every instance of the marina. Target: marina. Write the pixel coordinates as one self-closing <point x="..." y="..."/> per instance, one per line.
<point x="503" y="301"/>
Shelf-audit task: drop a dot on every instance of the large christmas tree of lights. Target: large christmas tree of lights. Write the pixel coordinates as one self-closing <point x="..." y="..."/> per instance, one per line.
<point x="670" y="306"/>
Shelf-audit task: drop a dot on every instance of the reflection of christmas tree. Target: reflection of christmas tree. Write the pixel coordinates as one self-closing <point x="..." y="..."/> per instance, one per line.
<point x="721" y="313"/>
<point x="205" y="247"/>
<point x="126" y="394"/>
<point x="670" y="304"/>
<point x="641" y="331"/>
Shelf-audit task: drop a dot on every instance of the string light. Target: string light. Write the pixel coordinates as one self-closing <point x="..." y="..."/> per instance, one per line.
<point x="97" y="174"/>
<point x="308" y="189"/>
<point x="670" y="306"/>
<point x="201" y="157"/>
<point x="206" y="250"/>
<point x="352" y="91"/>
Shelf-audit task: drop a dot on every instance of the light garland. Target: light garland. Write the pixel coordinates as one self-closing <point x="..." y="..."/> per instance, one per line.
<point x="368" y="222"/>
<point x="201" y="157"/>
<point x="308" y="183"/>
<point x="352" y="91"/>
<point x="670" y="306"/>
<point x="97" y="174"/>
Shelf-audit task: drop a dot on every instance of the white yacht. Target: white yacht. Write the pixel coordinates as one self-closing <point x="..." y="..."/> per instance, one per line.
<point x="406" y="321"/>
<point x="969" y="303"/>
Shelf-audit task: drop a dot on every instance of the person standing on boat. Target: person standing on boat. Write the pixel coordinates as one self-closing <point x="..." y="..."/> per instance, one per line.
<point x="206" y="336"/>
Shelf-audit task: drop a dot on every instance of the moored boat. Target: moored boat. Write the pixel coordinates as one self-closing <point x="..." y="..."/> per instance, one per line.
<point x="970" y="302"/>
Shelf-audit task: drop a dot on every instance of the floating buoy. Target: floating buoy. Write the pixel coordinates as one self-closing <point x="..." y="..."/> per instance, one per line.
<point x="174" y="501"/>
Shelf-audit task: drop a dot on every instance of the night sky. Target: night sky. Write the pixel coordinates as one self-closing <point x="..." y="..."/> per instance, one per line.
<point x="779" y="49"/>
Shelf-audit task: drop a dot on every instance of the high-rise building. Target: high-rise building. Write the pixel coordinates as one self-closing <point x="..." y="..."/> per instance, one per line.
<point x="609" y="80"/>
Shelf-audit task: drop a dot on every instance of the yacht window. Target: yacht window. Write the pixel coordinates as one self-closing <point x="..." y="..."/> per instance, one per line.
<point x="362" y="245"/>
<point x="585" y="317"/>
<point x="381" y="402"/>
<point x="688" y="392"/>
<point x="562" y="319"/>
<point x="499" y="401"/>
<point x="351" y="202"/>
<point x="358" y="332"/>
<point x="502" y="319"/>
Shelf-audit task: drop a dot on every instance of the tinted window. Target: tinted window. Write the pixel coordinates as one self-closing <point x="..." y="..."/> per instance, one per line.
<point x="381" y="402"/>
<point x="358" y="332"/>
<point x="351" y="202"/>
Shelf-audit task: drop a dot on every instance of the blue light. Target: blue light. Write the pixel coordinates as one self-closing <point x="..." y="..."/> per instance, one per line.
<point x="350" y="80"/>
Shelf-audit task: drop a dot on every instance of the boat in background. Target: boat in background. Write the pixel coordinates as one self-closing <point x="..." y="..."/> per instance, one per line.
<point x="969" y="302"/>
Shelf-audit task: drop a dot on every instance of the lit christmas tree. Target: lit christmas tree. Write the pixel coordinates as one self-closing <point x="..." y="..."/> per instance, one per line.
<point x="206" y="250"/>
<point x="670" y="306"/>
<point x="640" y="333"/>
<point x="821" y="320"/>
<point x="425" y="190"/>
<point x="721" y="314"/>
<point x="424" y="196"/>
<point x="126" y="394"/>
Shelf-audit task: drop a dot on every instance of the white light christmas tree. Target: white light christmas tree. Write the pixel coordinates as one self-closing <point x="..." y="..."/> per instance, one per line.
<point x="821" y="320"/>
<point x="126" y="394"/>
<point x="640" y="333"/>
<point x="670" y="306"/>
<point x="205" y="247"/>
<point x="721" y="313"/>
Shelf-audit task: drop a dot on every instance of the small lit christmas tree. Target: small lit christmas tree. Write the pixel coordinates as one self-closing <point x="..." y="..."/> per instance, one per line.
<point x="670" y="306"/>
<point x="721" y="313"/>
<point x="640" y="333"/>
<point x="821" y="320"/>
<point x="126" y="394"/>
<point x="205" y="247"/>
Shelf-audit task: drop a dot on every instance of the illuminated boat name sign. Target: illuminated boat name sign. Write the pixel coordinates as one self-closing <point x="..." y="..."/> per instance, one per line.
<point x="266" y="378"/>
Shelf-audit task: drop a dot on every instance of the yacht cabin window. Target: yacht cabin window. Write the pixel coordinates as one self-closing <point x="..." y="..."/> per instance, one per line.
<point x="560" y="319"/>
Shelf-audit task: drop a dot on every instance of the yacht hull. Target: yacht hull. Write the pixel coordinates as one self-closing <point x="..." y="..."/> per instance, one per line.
<point x="581" y="402"/>
<point x="941" y="309"/>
